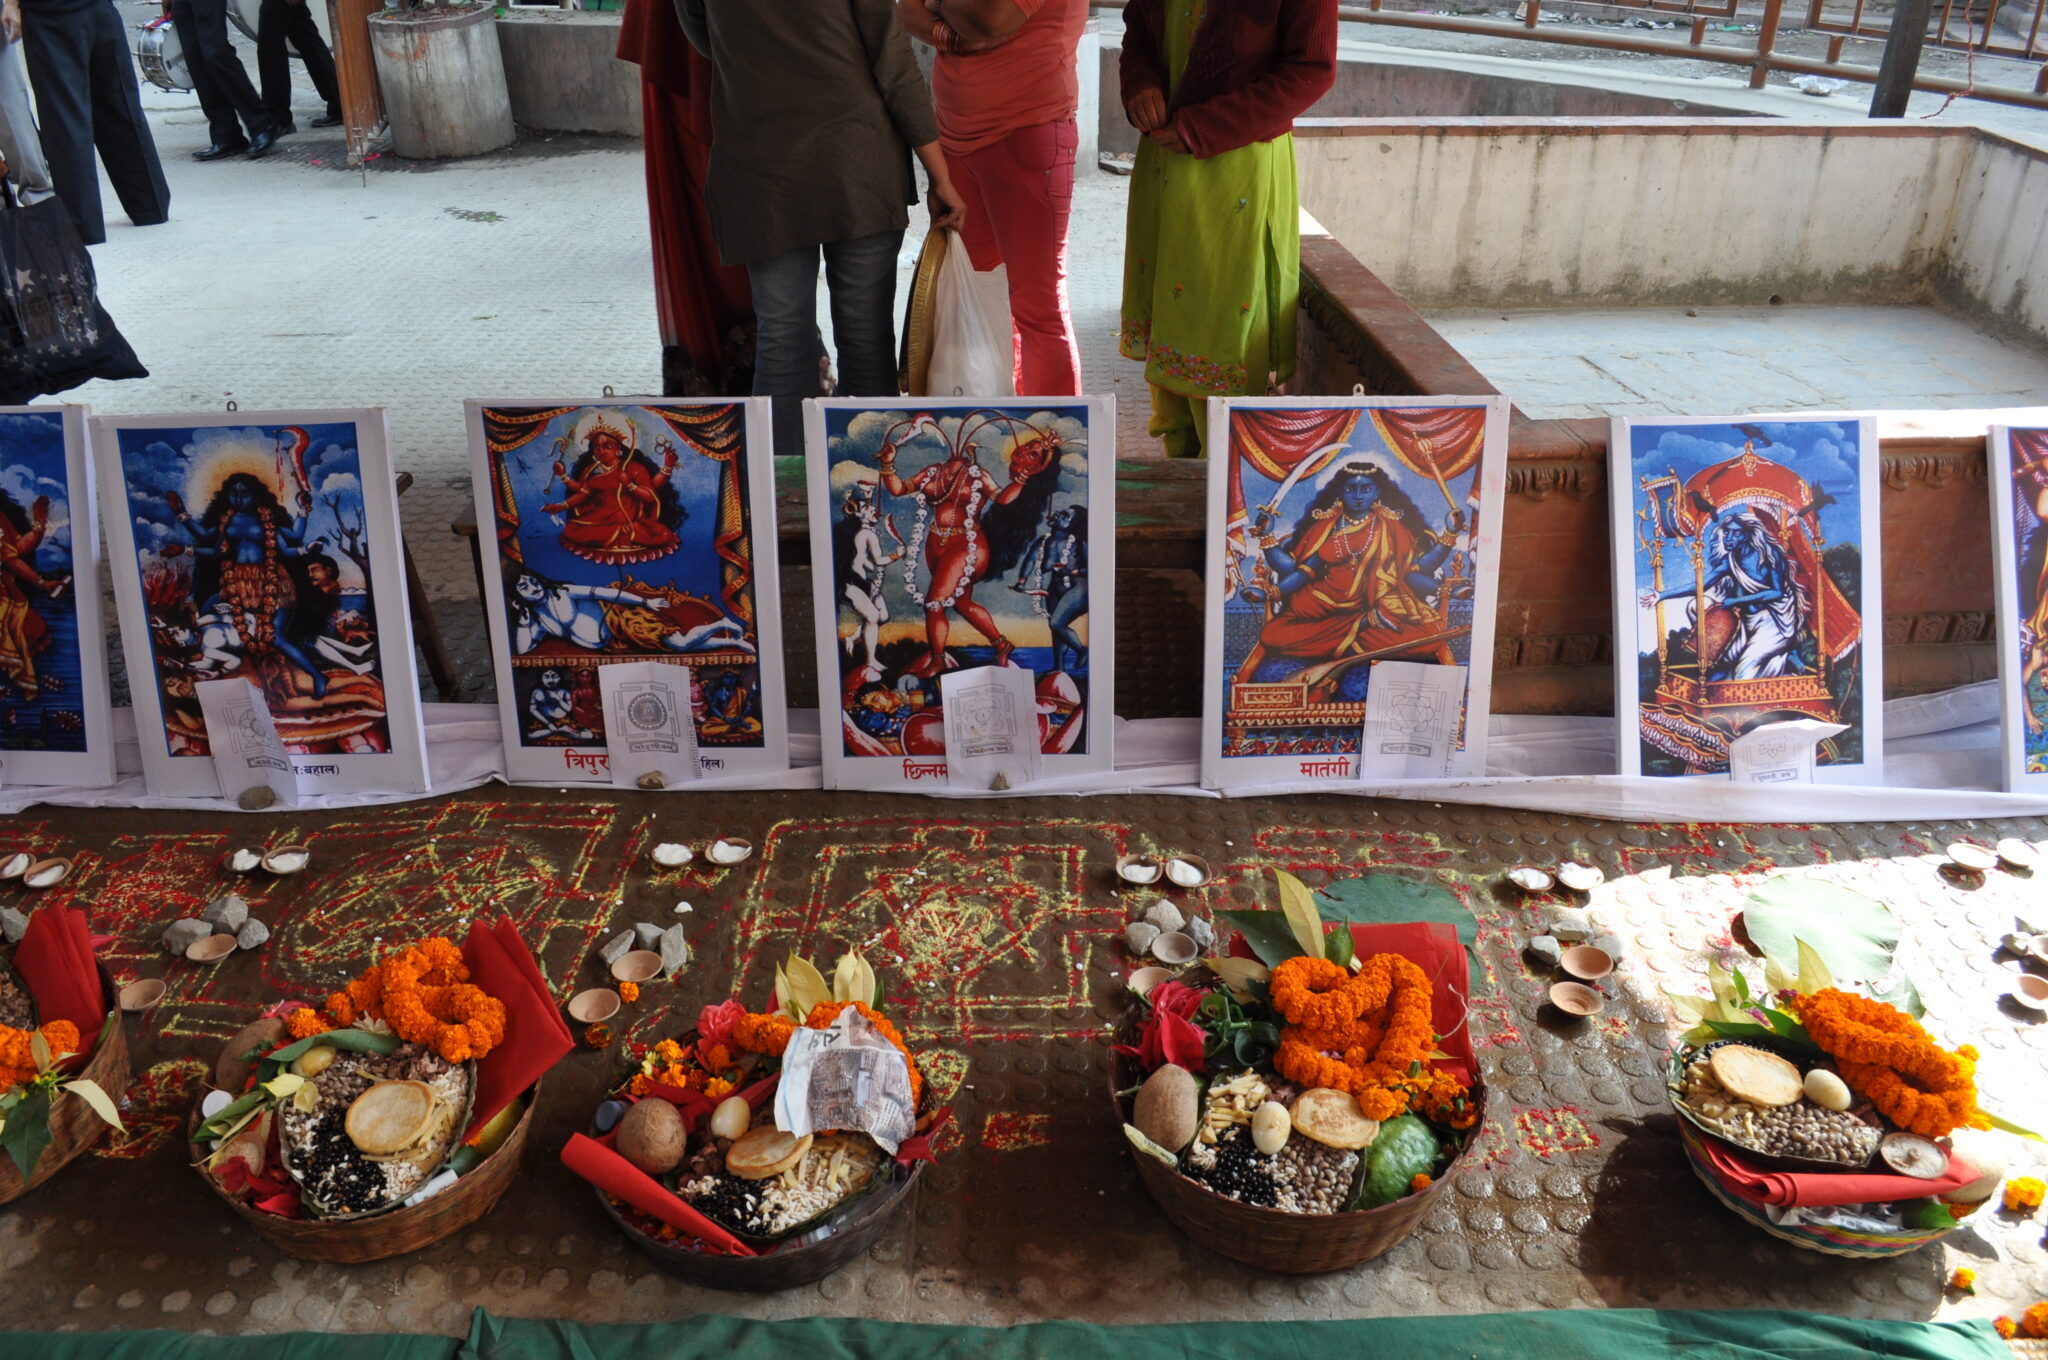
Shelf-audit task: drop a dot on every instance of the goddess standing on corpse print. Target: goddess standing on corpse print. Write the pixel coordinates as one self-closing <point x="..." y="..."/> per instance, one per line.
<point x="957" y="492"/>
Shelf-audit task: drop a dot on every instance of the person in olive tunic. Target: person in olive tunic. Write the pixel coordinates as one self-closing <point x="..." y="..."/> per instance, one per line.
<point x="816" y="106"/>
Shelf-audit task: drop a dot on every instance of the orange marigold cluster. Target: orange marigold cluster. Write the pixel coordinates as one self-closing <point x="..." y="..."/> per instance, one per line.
<point x="1886" y="1055"/>
<point x="2023" y="1194"/>
<point x="425" y="995"/>
<point x="2007" y="1329"/>
<point x="629" y="991"/>
<point x="1379" y="1051"/>
<point x="2034" y="1322"/>
<point x="17" y="1050"/>
<point x="687" y="1067"/>
<point x="769" y="1034"/>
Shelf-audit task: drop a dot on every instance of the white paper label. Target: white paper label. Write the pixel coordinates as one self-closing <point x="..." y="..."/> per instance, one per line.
<point x="991" y="727"/>
<point x="1412" y="711"/>
<point x="845" y="1077"/>
<point x="247" y="752"/>
<point x="648" y="724"/>
<point x="1780" y="752"/>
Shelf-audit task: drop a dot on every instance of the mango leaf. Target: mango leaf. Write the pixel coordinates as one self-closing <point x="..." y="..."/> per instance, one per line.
<point x="102" y="1104"/>
<point x="1688" y="1007"/>
<point x="285" y="1085"/>
<point x="1722" y="980"/>
<point x="1148" y="1147"/>
<point x="1239" y="974"/>
<point x="852" y="978"/>
<point x="353" y="1040"/>
<point x="1748" y="1029"/>
<point x="1853" y="935"/>
<point x="782" y="1002"/>
<point x="1778" y="979"/>
<point x="1268" y="933"/>
<point x="234" y="1115"/>
<point x="28" y="1129"/>
<point x="1385" y="898"/>
<point x="39" y="1048"/>
<point x="1339" y="948"/>
<point x="2008" y="1126"/>
<point x="1813" y="970"/>
<point x="806" y="986"/>
<point x="1298" y="905"/>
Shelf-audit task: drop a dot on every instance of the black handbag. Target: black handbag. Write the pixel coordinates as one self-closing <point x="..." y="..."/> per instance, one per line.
<point x="54" y="335"/>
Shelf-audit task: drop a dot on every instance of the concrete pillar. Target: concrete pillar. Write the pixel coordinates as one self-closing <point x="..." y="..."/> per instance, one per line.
<point x="443" y="80"/>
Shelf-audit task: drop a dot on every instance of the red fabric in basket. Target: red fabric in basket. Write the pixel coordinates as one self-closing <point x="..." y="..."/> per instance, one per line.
<point x="55" y="961"/>
<point x="535" y="1036"/>
<point x="1814" y="1189"/>
<point x="616" y="1176"/>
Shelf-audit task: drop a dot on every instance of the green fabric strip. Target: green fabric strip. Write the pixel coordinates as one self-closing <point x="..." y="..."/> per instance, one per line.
<point x="1591" y="1334"/>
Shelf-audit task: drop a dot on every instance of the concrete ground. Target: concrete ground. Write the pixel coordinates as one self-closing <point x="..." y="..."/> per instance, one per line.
<point x="1648" y="361"/>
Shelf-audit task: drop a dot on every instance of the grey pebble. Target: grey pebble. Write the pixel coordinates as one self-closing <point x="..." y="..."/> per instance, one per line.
<point x="226" y="914"/>
<point x="252" y="933"/>
<point x="1546" y="950"/>
<point x="646" y="935"/>
<point x="182" y="935"/>
<point x="675" y="949"/>
<point x="1201" y="932"/>
<point x="616" y="947"/>
<point x="12" y="925"/>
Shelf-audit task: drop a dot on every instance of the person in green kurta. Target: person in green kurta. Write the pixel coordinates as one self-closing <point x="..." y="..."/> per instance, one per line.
<point x="1212" y="255"/>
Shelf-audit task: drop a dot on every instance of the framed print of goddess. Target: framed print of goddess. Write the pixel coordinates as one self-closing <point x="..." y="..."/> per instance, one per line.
<point x="1344" y="533"/>
<point x="953" y="534"/>
<point x="2019" y="550"/>
<point x="627" y="529"/>
<point x="264" y="545"/>
<point x="56" y="722"/>
<point x="1747" y="589"/>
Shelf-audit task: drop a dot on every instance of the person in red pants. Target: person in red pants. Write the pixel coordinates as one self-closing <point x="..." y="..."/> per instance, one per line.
<point x="1005" y="90"/>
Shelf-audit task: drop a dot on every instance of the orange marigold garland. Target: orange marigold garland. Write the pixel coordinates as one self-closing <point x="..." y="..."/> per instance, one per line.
<point x="425" y="995"/>
<point x="17" y="1050"/>
<point x="1380" y="1053"/>
<point x="1886" y="1055"/>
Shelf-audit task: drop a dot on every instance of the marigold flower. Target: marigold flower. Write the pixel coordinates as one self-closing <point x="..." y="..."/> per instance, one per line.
<point x="2034" y="1322"/>
<point x="1964" y="1280"/>
<point x="597" y="1036"/>
<point x="1886" y="1055"/>
<point x="1381" y="1054"/>
<point x="629" y="991"/>
<point x="2023" y="1194"/>
<point x="1419" y="1183"/>
<point x="2006" y="1327"/>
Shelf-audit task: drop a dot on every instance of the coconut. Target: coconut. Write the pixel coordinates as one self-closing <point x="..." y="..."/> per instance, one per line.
<point x="231" y="1070"/>
<point x="1168" y="1110"/>
<point x="1983" y="1151"/>
<point x="651" y="1136"/>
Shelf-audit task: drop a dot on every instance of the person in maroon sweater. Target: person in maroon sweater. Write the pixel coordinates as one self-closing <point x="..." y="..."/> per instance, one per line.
<point x="1212" y="254"/>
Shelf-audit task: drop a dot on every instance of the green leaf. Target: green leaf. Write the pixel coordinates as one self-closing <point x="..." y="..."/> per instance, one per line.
<point x="1777" y="978"/>
<point x="1384" y="899"/>
<point x="354" y="1040"/>
<point x="1339" y="948"/>
<point x="1731" y="1029"/>
<point x="1298" y="904"/>
<point x="233" y="1115"/>
<point x="1904" y="995"/>
<point x="1853" y="935"/>
<point x="1238" y="974"/>
<point x="28" y="1130"/>
<point x="1742" y="998"/>
<point x="1813" y="970"/>
<point x="1267" y="932"/>
<point x="2008" y="1126"/>
<point x="102" y="1104"/>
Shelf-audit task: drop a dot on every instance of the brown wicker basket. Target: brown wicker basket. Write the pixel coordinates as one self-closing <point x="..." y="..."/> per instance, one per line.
<point x="784" y="1269"/>
<point x="1291" y="1244"/>
<point x="380" y="1236"/>
<point x="73" y="1125"/>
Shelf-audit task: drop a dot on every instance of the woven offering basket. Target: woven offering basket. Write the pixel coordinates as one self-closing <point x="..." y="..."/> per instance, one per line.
<point x="1822" y="1237"/>
<point x="377" y="1237"/>
<point x="1272" y="1239"/>
<point x="73" y="1125"/>
<point x="784" y="1269"/>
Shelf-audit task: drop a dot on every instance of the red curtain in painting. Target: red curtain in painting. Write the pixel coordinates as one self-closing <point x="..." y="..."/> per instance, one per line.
<point x="697" y="300"/>
<point x="1439" y="442"/>
<point x="1275" y="443"/>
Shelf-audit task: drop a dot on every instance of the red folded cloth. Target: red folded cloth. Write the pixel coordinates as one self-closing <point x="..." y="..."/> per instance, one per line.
<point x="1814" y="1189"/>
<point x="535" y="1037"/>
<point x="56" y="964"/>
<point x="616" y="1176"/>
<point x="1433" y="947"/>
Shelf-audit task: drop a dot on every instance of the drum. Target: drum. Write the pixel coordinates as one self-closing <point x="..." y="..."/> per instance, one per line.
<point x="161" y="56"/>
<point x="243" y="14"/>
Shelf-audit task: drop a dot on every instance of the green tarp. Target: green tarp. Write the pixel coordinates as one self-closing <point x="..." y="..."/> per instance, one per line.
<point x="1589" y="1334"/>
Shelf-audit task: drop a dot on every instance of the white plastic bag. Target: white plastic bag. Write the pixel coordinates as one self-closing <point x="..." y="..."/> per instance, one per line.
<point x="971" y="344"/>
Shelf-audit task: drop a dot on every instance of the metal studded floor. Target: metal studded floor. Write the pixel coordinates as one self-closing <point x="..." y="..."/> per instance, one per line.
<point x="995" y="929"/>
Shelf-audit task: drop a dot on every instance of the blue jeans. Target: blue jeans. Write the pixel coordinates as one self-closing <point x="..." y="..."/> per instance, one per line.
<point x="861" y="274"/>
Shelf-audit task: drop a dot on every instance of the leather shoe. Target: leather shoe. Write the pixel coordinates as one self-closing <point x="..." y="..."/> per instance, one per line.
<point x="220" y="151"/>
<point x="285" y="129"/>
<point x="260" y="144"/>
<point x="326" y="120"/>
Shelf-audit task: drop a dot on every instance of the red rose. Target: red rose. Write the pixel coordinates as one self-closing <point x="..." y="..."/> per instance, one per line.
<point x="715" y="1024"/>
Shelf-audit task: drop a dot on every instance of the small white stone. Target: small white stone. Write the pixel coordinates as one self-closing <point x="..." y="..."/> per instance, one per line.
<point x="684" y="908"/>
<point x="1166" y="916"/>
